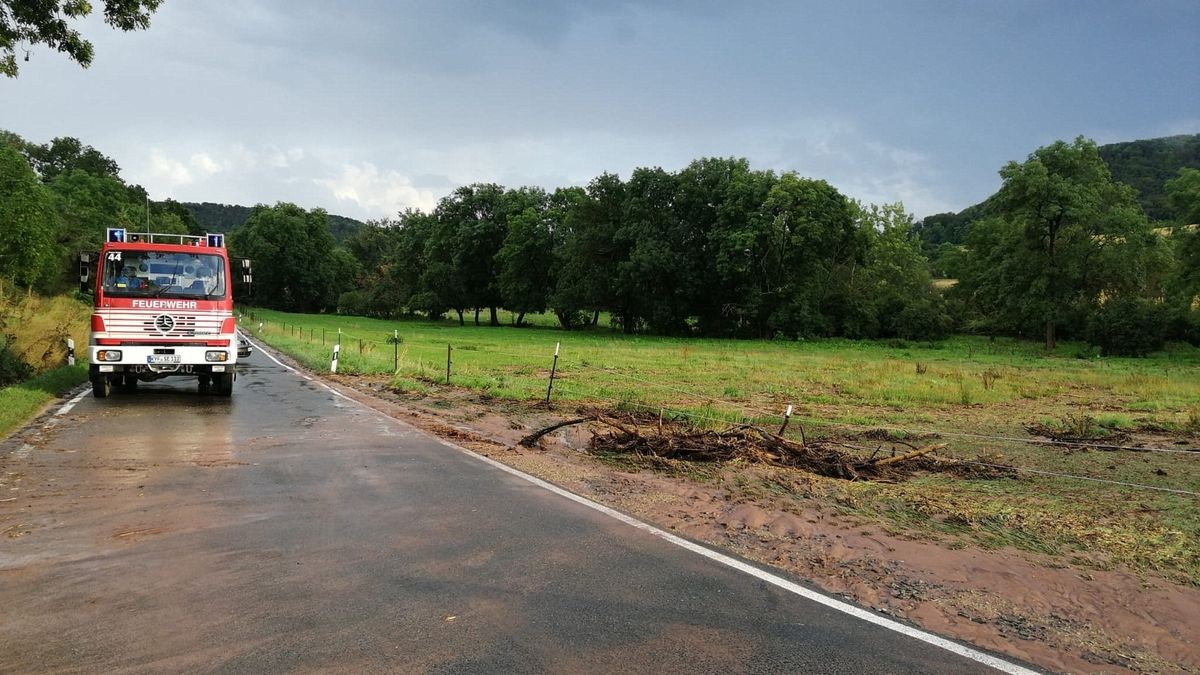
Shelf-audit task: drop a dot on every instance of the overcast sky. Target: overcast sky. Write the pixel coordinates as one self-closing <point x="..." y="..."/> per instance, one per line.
<point x="378" y="105"/>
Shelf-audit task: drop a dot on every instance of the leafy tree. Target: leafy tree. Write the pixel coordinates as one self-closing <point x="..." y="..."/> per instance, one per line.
<point x="48" y="22"/>
<point x="1060" y="210"/>
<point x="1184" y="194"/>
<point x="815" y="241"/>
<point x="66" y="154"/>
<point x="296" y="266"/>
<point x="1128" y="326"/>
<point x="720" y="202"/>
<point x="10" y="140"/>
<point x="526" y="259"/>
<point x="892" y="295"/>
<point x="472" y="228"/>
<point x="656" y="281"/>
<point x="406" y="262"/>
<point x="590" y="255"/>
<point x="28" y="226"/>
<point x="1146" y="165"/>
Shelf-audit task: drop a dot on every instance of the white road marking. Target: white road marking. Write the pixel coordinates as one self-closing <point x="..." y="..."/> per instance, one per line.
<point x="66" y="407"/>
<point x="809" y="594"/>
<point x="775" y="580"/>
<point x="269" y="356"/>
<point x="335" y="392"/>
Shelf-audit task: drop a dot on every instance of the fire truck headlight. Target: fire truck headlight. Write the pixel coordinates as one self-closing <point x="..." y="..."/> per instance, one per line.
<point x="216" y="356"/>
<point x="108" y="355"/>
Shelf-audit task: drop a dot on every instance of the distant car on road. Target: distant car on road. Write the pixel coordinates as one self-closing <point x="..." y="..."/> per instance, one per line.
<point x="243" y="346"/>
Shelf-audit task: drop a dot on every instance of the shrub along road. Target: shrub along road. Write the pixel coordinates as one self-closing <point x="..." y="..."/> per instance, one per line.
<point x="289" y="528"/>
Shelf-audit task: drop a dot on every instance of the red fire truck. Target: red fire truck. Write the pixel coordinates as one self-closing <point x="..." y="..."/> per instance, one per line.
<point x="163" y="308"/>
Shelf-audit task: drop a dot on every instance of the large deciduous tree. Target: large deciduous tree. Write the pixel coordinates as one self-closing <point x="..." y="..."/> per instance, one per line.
<point x="66" y="154"/>
<point x="813" y="236"/>
<point x="1054" y="218"/>
<point x="589" y="256"/>
<point x="720" y="203"/>
<point x="525" y="261"/>
<point x="296" y="266"/>
<point x="655" y="282"/>
<point x="24" y="24"/>
<point x="471" y="229"/>
<point x="28" y="225"/>
<point x="1184" y="193"/>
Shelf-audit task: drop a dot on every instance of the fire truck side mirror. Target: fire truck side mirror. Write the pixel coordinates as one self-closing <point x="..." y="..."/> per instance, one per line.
<point x="85" y="272"/>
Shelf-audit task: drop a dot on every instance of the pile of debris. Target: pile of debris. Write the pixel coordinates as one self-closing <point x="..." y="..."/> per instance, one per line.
<point x="645" y="436"/>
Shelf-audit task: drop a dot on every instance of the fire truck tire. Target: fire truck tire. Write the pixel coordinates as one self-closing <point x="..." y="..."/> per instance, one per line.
<point x="101" y="386"/>
<point x="223" y="383"/>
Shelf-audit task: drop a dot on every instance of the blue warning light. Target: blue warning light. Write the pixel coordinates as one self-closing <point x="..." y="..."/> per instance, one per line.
<point x="116" y="234"/>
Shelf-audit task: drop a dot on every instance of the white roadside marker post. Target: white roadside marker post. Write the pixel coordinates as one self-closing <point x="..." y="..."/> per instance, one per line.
<point x="70" y="352"/>
<point x="333" y="362"/>
<point x="553" y="369"/>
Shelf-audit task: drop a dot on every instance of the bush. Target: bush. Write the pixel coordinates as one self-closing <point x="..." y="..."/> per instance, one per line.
<point x="12" y="368"/>
<point x="353" y="303"/>
<point x="922" y="319"/>
<point x="1128" y="326"/>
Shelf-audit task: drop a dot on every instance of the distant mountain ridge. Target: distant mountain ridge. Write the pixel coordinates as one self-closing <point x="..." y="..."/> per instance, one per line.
<point x="214" y="217"/>
<point x="1146" y="165"/>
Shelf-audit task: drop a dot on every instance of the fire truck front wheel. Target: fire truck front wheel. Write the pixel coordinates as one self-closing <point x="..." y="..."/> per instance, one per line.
<point x="223" y="383"/>
<point x="101" y="385"/>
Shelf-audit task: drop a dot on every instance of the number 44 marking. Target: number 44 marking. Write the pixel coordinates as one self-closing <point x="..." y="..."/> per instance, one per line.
<point x="114" y="255"/>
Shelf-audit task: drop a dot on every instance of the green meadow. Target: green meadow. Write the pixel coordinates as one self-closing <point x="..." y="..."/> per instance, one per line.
<point x="974" y="393"/>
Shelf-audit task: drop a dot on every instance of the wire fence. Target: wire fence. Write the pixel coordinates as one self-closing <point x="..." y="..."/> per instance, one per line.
<point x="745" y="413"/>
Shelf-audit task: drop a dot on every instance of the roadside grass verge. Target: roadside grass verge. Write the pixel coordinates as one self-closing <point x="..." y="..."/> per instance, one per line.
<point x="976" y="394"/>
<point x="40" y="326"/>
<point x="37" y="329"/>
<point x="20" y="402"/>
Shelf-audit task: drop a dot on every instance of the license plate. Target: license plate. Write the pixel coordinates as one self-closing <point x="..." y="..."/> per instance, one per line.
<point x="163" y="358"/>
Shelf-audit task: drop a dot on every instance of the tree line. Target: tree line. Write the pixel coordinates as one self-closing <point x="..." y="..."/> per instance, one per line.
<point x="56" y="199"/>
<point x="1062" y="251"/>
<point x="715" y="249"/>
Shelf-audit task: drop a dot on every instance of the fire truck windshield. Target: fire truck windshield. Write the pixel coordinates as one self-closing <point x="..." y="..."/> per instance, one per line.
<point x="156" y="274"/>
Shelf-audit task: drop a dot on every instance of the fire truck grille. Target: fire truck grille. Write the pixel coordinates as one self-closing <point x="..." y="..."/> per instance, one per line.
<point x="163" y="324"/>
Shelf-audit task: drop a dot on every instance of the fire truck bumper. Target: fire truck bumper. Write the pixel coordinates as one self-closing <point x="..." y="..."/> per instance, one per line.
<point x="161" y="360"/>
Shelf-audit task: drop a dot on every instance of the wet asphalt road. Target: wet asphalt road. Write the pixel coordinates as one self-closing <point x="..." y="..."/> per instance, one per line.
<point x="288" y="529"/>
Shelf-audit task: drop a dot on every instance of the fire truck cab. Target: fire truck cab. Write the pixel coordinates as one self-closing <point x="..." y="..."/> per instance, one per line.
<point x="163" y="308"/>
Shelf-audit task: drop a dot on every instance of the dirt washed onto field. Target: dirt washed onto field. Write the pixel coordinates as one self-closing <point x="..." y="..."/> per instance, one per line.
<point x="1030" y="606"/>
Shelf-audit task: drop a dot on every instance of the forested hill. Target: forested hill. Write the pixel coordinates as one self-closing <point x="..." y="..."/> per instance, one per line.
<point x="225" y="217"/>
<point x="1146" y="165"/>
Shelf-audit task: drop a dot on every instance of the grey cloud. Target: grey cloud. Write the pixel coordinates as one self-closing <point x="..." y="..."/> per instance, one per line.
<point x="920" y="101"/>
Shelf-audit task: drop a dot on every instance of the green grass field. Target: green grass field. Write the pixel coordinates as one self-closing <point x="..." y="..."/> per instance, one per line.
<point x="976" y="393"/>
<point x="20" y="402"/>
